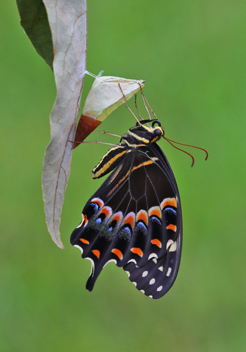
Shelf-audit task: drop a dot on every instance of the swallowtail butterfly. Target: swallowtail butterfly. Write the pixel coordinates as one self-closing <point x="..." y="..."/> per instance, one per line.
<point x="134" y="219"/>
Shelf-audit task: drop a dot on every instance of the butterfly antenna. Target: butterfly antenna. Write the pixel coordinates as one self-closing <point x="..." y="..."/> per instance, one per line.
<point x="128" y="107"/>
<point x="188" y="145"/>
<point x="144" y="101"/>
<point x="136" y="105"/>
<point x="192" y="157"/>
<point x="147" y="103"/>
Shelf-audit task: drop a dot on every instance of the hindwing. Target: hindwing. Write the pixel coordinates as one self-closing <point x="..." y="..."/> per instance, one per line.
<point x="134" y="219"/>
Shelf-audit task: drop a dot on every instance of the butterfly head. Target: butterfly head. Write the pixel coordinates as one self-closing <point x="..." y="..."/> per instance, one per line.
<point x="158" y="131"/>
<point x="146" y="134"/>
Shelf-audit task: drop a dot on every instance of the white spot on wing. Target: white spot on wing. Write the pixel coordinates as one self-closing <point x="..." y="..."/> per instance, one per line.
<point x="134" y="283"/>
<point x="173" y="247"/>
<point x="160" y="268"/>
<point x="142" y="291"/>
<point x="92" y="265"/>
<point x="145" y="273"/>
<point x="111" y="260"/>
<point x="128" y="273"/>
<point x="81" y="249"/>
<point x="169" y="242"/>
<point x="169" y="271"/>
<point x="152" y="281"/>
<point x="132" y="260"/>
<point x="152" y="255"/>
<point x="159" y="288"/>
<point x="150" y="296"/>
<point x="155" y="260"/>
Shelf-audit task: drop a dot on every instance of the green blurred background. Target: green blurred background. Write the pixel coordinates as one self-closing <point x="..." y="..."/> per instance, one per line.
<point x="192" y="55"/>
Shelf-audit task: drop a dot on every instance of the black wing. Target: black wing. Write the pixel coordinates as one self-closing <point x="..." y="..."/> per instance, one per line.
<point x="134" y="219"/>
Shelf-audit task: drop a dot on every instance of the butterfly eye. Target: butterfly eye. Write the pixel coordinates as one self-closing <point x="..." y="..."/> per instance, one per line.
<point x="158" y="132"/>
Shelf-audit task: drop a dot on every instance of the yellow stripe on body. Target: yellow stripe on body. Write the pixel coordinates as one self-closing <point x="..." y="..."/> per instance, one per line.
<point x="144" y="140"/>
<point x="155" y="139"/>
<point x="108" y="164"/>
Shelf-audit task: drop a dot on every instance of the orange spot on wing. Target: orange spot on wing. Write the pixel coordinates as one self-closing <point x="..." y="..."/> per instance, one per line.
<point x="169" y="202"/>
<point x="156" y="242"/>
<point x="118" y="253"/>
<point x="156" y="211"/>
<point x="130" y="219"/>
<point x="96" y="252"/>
<point x="98" y="201"/>
<point x="117" y="216"/>
<point x="84" y="241"/>
<point x="171" y="227"/>
<point x="107" y="211"/>
<point x="84" y="220"/>
<point x="142" y="215"/>
<point x="137" y="251"/>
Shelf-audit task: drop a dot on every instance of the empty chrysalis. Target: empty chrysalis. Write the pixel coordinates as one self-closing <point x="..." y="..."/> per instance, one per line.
<point x="104" y="97"/>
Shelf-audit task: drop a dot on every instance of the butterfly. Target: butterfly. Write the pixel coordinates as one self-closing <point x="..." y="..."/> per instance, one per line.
<point x="134" y="219"/>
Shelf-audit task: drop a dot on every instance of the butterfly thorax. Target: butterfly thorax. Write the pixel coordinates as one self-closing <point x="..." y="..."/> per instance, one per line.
<point x="137" y="136"/>
<point x="141" y="135"/>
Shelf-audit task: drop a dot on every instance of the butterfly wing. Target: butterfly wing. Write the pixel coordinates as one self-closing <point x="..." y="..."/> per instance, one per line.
<point x="134" y="219"/>
<point x="156" y="273"/>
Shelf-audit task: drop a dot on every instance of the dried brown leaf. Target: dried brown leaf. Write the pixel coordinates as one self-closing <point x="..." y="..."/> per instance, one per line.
<point x="68" y="24"/>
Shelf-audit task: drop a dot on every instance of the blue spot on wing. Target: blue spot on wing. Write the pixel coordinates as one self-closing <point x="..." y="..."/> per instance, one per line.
<point x="126" y="229"/>
<point x="155" y="218"/>
<point x="95" y="206"/>
<point x="170" y="216"/>
<point x="125" y="233"/>
<point x="141" y="225"/>
<point x="170" y="210"/>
